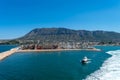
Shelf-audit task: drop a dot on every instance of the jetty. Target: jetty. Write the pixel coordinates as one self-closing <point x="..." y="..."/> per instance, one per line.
<point x="5" y="54"/>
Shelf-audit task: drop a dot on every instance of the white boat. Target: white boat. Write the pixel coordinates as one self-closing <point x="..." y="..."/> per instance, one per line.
<point x="85" y="60"/>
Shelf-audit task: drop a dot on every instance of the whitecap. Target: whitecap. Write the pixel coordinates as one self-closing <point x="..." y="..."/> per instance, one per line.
<point x="110" y="69"/>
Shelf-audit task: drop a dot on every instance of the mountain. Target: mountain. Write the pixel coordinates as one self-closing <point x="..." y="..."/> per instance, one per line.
<point x="64" y="34"/>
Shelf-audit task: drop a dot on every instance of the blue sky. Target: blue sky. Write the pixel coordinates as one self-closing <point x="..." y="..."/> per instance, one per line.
<point x="18" y="17"/>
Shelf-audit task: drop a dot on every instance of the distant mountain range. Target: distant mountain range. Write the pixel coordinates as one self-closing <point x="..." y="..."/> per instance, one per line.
<point x="64" y="34"/>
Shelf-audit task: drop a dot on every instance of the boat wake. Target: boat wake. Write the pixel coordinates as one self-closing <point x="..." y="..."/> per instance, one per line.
<point x="110" y="69"/>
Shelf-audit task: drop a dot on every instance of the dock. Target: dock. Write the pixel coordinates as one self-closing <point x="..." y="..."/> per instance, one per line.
<point x="5" y="54"/>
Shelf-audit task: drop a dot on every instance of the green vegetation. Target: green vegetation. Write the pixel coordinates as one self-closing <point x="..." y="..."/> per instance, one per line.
<point x="10" y="42"/>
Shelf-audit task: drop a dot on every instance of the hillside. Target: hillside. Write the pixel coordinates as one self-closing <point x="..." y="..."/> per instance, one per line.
<point x="63" y="34"/>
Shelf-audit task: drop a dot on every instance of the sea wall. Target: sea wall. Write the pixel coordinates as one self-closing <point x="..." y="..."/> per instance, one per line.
<point x="5" y="54"/>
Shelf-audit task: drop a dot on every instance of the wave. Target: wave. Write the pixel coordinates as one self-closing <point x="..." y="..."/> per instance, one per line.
<point x="110" y="69"/>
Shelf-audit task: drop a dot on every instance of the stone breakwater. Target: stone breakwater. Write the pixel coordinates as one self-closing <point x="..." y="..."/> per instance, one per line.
<point x="5" y="54"/>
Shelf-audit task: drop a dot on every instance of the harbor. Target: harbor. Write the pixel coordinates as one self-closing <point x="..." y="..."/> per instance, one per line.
<point x="38" y="65"/>
<point x="5" y="54"/>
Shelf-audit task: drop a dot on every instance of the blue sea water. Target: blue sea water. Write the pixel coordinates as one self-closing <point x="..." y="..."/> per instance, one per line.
<point x="6" y="47"/>
<point x="61" y="65"/>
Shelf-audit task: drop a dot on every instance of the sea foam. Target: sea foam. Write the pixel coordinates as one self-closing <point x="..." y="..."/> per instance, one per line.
<point x="110" y="69"/>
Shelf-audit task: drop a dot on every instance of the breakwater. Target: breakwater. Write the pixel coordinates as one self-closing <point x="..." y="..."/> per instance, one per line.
<point x="5" y="54"/>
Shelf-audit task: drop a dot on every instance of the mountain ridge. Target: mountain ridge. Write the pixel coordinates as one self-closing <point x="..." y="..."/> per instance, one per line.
<point x="64" y="34"/>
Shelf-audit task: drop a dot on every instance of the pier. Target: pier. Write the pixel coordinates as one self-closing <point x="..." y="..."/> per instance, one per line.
<point x="5" y="54"/>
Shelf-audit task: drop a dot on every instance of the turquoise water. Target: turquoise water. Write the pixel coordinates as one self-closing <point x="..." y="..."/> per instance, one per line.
<point x="6" y="47"/>
<point x="62" y="65"/>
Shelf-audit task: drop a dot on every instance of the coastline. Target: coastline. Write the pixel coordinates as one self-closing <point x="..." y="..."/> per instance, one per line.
<point x="5" y="54"/>
<point x="49" y="50"/>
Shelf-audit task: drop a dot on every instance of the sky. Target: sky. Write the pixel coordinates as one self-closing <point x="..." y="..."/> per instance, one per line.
<point x="18" y="17"/>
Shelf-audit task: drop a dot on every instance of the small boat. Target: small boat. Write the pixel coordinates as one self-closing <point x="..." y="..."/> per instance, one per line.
<point x="85" y="60"/>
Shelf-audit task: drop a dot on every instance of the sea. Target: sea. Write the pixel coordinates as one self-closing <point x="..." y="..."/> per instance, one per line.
<point x="62" y="65"/>
<point x="6" y="47"/>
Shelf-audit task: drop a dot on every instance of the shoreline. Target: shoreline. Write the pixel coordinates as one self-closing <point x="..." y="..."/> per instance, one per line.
<point x="50" y="50"/>
<point x="5" y="54"/>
